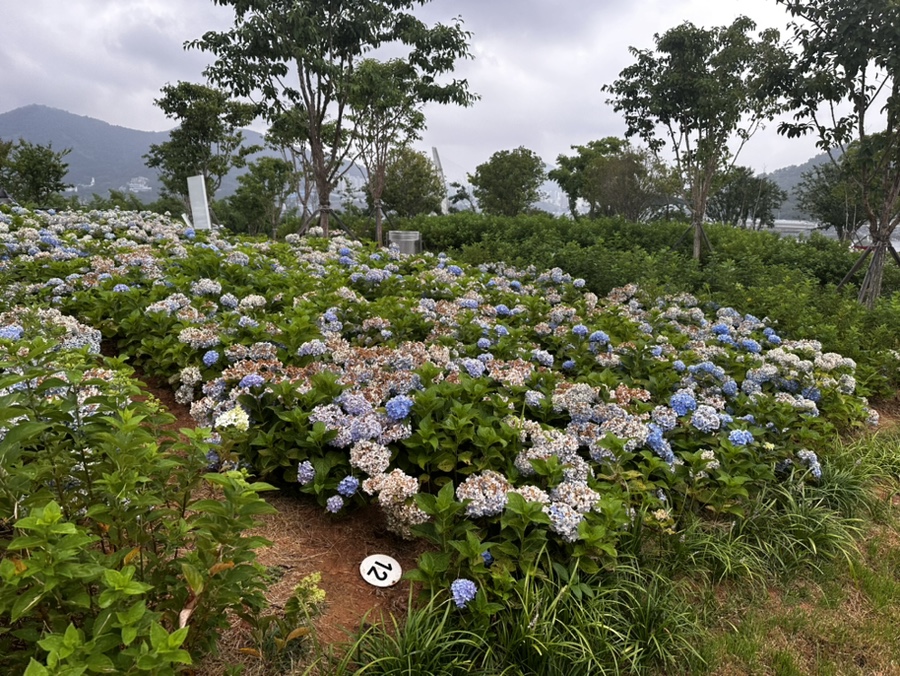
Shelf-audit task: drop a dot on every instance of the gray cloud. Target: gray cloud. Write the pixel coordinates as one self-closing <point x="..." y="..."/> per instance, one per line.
<point x="538" y="66"/>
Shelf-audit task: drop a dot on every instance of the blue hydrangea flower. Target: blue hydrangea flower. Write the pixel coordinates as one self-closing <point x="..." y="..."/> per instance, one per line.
<point x="252" y="380"/>
<point x="212" y="461"/>
<point x="348" y="486"/>
<point x="354" y="404"/>
<point x="305" y="473"/>
<point x="707" y="368"/>
<point x="729" y="387"/>
<point x="533" y="398"/>
<point x="811" y="460"/>
<point x="660" y="444"/>
<point x="247" y="322"/>
<point x="398" y="407"/>
<point x="312" y="348"/>
<point x="812" y="393"/>
<point x="501" y="310"/>
<point x="542" y="357"/>
<point x="599" y="337"/>
<point x="656" y="350"/>
<point x="740" y="437"/>
<point x="473" y="367"/>
<point x="580" y="330"/>
<point x="11" y="332"/>
<point x="705" y="419"/>
<point x="455" y="270"/>
<point x="683" y="402"/>
<point x="678" y="365"/>
<point x="121" y="288"/>
<point x="568" y="364"/>
<point x="578" y="283"/>
<point x="463" y="591"/>
<point x="483" y="343"/>
<point x="334" y="504"/>
<point x="720" y="329"/>
<point x="210" y="358"/>
<point x="487" y="557"/>
<point x="501" y="330"/>
<point x="751" y="345"/>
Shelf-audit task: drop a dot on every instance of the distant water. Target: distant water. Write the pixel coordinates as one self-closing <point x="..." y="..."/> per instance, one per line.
<point x="803" y="229"/>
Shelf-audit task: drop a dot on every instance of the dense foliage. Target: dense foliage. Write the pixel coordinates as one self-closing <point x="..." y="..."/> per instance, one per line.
<point x="791" y="282"/>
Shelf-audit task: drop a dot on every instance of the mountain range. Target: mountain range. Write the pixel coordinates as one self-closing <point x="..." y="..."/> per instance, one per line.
<point x="104" y="157"/>
<point x="107" y="157"/>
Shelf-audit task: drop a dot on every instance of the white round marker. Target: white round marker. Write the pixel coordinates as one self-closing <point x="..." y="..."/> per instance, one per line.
<point x="380" y="570"/>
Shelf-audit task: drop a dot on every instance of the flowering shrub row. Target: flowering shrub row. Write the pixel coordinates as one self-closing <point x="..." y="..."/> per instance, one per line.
<point x="109" y="562"/>
<point x="493" y="410"/>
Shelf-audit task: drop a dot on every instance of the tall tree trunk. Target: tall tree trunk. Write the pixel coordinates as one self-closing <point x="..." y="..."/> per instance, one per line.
<point x="870" y="289"/>
<point x="378" y="223"/>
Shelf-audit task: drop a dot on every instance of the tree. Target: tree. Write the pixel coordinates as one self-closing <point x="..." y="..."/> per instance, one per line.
<point x="387" y="113"/>
<point x="847" y="68"/>
<point x="509" y="182"/>
<point x="570" y="171"/>
<point x="207" y="141"/>
<point x="700" y="89"/>
<point x="412" y="184"/>
<point x="118" y="199"/>
<point x="303" y="54"/>
<point x="614" y="179"/>
<point x="745" y="200"/>
<point x="288" y="134"/>
<point x="262" y="194"/>
<point x="830" y="197"/>
<point x="32" y="173"/>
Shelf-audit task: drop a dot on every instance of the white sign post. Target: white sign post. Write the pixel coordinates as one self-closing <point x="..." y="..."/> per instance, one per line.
<point x="199" y="204"/>
<point x="380" y="570"/>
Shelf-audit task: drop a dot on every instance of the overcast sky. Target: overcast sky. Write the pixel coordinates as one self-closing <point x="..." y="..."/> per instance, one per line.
<point x="538" y="66"/>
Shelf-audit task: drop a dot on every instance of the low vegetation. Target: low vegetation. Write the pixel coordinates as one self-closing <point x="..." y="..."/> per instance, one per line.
<point x="612" y="478"/>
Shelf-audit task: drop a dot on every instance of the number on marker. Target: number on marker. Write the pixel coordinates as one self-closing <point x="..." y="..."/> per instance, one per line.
<point x="379" y="575"/>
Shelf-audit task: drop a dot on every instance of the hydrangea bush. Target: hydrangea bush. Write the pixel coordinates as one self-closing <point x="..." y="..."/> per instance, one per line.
<point x="109" y="563"/>
<point x="475" y="405"/>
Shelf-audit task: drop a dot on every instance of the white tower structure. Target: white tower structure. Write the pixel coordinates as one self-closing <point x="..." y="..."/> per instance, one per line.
<point x="445" y="203"/>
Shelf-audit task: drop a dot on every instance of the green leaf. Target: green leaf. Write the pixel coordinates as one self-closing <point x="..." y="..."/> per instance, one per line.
<point x="194" y="578"/>
<point x="129" y="634"/>
<point x="26" y="602"/>
<point x="176" y="638"/>
<point x="35" y="668"/>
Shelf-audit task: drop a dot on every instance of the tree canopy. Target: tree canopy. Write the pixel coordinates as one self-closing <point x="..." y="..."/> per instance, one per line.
<point x="846" y="90"/>
<point x="387" y="114"/>
<point x="613" y="178"/>
<point x="412" y="184"/>
<point x="699" y="90"/>
<point x="303" y="55"/>
<point x="32" y="173"/>
<point x="208" y="140"/>
<point x="745" y="200"/>
<point x="509" y="182"/>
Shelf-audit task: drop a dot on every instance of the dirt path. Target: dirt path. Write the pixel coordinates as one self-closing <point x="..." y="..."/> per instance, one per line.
<point x="306" y="539"/>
